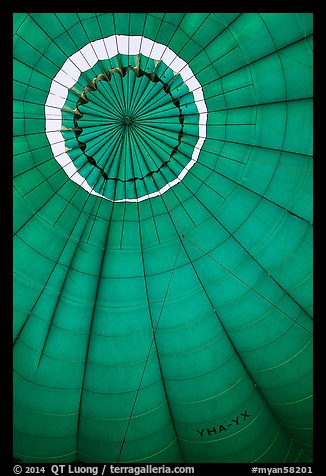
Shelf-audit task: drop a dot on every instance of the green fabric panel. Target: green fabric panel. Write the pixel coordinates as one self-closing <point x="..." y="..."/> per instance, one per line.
<point x="162" y="237"/>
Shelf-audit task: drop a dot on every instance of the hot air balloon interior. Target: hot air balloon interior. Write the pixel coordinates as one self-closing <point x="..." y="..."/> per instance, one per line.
<point x="162" y="237"/>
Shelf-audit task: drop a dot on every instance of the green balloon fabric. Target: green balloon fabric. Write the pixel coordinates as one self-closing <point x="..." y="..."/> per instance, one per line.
<point x="163" y="237"/>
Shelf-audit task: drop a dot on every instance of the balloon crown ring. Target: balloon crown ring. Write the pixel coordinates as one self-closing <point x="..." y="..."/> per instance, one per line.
<point x="129" y="154"/>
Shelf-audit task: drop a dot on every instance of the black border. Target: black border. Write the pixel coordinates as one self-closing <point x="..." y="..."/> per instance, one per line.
<point x="6" y="12"/>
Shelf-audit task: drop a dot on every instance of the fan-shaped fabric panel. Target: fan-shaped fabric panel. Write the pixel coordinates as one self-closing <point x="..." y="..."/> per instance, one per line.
<point x="163" y="237"/>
